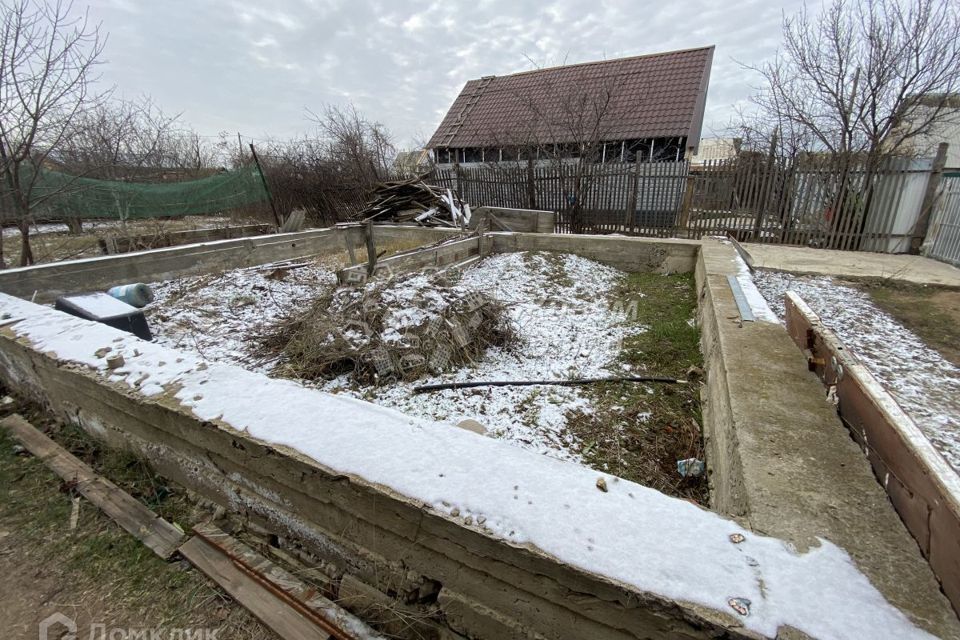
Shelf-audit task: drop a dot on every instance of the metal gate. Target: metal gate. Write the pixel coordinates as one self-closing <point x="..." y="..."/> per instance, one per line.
<point x="945" y="228"/>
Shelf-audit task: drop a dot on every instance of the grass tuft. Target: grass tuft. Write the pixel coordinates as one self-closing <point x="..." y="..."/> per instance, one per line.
<point x="639" y="431"/>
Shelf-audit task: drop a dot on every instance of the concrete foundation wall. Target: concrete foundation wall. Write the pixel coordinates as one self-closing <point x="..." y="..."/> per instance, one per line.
<point x="781" y="462"/>
<point x="113" y="244"/>
<point x="371" y="540"/>
<point x="628" y="254"/>
<point x="48" y="281"/>
<point x="520" y="220"/>
<point x="446" y="254"/>
<point x="921" y="485"/>
<point x="779" y="459"/>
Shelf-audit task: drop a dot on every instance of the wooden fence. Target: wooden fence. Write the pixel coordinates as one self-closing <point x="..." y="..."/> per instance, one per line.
<point x="814" y="201"/>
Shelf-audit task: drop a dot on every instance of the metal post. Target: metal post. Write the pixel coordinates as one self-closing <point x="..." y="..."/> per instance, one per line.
<point x="371" y="249"/>
<point x="929" y="199"/>
<point x="263" y="178"/>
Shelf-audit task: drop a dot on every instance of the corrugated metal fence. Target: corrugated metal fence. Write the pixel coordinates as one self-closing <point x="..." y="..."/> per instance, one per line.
<point x="943" y="241"/>
<point x="814" y="201"/>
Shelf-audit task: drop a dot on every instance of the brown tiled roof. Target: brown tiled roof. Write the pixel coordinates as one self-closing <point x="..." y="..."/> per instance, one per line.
<point x="651" y="96"/>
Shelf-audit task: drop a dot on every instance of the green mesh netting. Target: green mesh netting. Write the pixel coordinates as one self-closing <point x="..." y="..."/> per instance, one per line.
<point x="58" y="196"/>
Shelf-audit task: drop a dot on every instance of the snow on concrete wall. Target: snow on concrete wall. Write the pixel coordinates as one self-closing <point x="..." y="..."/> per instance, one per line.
<point x="658" y="547"/>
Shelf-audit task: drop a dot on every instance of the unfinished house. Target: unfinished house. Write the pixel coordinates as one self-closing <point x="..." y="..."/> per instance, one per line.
<point x="642" y="108"/>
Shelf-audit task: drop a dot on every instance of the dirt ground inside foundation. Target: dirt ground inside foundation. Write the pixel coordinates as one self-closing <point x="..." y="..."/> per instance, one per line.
<point x="932" y="312"/>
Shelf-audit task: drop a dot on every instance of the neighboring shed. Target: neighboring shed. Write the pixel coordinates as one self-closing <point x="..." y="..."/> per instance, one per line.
<point x="945" y="109"/>
<point x="712" y="149"/>
<point x="648" y="107"/>
<point x="409" y="162"/>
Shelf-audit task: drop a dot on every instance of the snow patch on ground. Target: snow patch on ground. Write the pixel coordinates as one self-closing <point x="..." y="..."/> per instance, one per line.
<point x="924" y="384"/>
<point x="559" y="306"/>
<point x="217" y="316"/>
<point x="630" y="534"/>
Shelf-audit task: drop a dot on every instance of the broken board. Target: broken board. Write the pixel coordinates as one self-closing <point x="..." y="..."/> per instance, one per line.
<point x="285" y="604"/>
<point x="153" y="531"/>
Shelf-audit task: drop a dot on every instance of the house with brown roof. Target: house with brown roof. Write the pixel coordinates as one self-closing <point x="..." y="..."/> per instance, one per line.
<point x="646" y="108"/>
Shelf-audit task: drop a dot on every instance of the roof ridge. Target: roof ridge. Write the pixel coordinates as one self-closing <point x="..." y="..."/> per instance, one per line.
<point x="592" y="62"/>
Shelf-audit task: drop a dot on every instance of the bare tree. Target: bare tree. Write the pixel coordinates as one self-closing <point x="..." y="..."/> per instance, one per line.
<point x="848" y="76"/>
<point x="360" y="148"/>
<point x="852" y="87"/>
<point x="562" y="126"/>
<point x="115" y="137"/>
<point x="48" y="56"/>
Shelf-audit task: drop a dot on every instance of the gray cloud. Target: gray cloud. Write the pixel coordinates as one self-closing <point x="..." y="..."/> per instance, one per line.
<point x="232" y="65"/>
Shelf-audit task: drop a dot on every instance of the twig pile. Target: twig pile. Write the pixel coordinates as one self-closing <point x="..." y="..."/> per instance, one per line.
<point x="415" y="201"/>
<point x="402" y="330"/>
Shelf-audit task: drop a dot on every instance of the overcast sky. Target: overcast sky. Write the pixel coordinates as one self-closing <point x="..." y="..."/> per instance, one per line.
<point x="254" y="67"/>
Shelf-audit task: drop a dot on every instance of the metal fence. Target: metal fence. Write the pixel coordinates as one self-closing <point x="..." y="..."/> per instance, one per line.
<point x="943" y="240"/>
<point x="635" y="198"/>
<point x="829" y="202"/>
<point x="838" y="203"/>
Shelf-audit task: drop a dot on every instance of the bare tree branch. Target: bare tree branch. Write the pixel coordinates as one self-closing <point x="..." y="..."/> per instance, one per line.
<point x="48" y="59"/>
<point x="848" y="79"/>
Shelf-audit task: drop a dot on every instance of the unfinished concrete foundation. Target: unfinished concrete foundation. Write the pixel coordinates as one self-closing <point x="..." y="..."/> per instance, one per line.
<point x="781" y="464"/>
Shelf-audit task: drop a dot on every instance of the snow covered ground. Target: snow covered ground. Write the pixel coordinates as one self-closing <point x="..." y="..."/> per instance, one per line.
<point x="925" y="385"/>
<point x="630" y="534"/>
<point x="557" y="303"/>
<point x="217" y="316"/>
<point x="559" y="307"/>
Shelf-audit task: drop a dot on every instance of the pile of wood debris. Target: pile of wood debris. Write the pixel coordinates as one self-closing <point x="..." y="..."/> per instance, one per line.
<point x="402" y="329"/>
<point x="415" y="201"/>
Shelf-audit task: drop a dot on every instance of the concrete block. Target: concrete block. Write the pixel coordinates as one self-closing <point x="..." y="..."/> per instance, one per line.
<point x="519" y="220"/>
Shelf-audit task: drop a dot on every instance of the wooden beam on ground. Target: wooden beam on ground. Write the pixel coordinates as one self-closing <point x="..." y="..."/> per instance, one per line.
<point x="153" y="531"/>
<point x="288" y="606"/>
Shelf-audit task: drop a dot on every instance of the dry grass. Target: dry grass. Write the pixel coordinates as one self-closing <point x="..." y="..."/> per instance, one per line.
<point x="932" y="312"/>
<point x="349" y="331"/>
<point x="97" y="573"/>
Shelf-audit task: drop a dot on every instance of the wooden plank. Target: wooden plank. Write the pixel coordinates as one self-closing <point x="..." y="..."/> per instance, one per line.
<point x="296" y="596"/>
<point x="929" y="198"/>
<point x="855" y="181"/>
<point x="157" y="534"/>
<point x="269" y="609"/>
